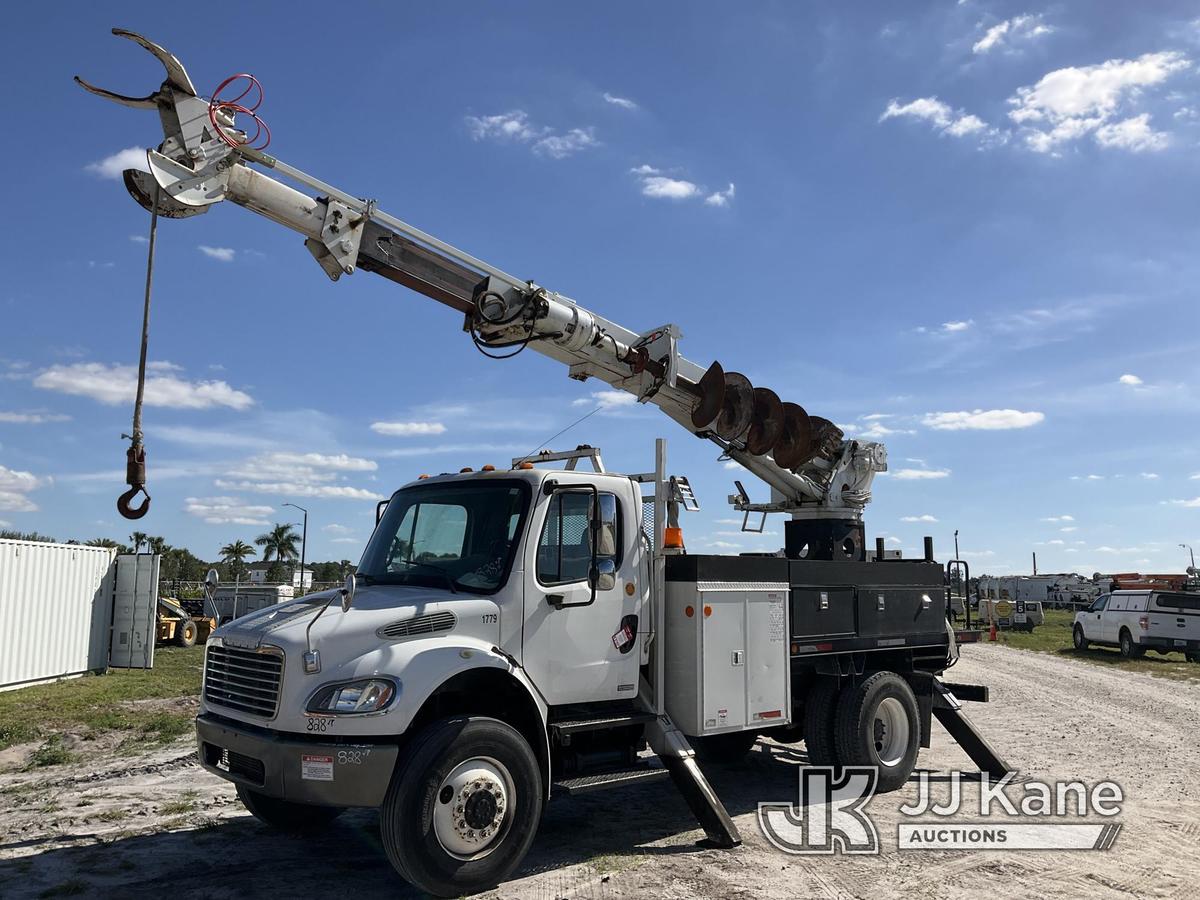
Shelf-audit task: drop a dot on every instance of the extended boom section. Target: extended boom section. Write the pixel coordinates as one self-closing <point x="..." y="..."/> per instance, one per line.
<point x="812" y="471"/>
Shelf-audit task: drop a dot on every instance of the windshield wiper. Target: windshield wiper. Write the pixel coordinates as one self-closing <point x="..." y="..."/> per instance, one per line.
<point x="438" y="569"/>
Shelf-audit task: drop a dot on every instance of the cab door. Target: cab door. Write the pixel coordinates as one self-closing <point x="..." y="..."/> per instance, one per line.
<point x="1093" y="619"/>
<point x="582" y="645"/>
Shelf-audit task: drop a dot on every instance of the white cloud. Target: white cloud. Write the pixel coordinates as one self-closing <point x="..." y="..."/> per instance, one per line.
<point x="139" y="239"/>
<point x="660" y="186"/>
<point x="334" y="528"/>
<point x="300" y="475"/>
<point x="982" y="420"/>
<point x="31" y="418"/>
<point x="623" y="102"/>
<point x="345" y="540"/>
<point x="116" y="384"/>
<point x="957" y="326"/>
<point x="721" y="198"/>
<point x="1072" y="102"/>
<point x="227" y="511"/>
<point x="732" y="465"/>
<point x="920" y="474"/>
<point x="1011" y="30"/>
<point x="509" y="126"/>
<point x="515" y="127"/>
<point x="560" y="146"/>
<point x="1131" y="380"/>
<point x="113" y="166"/>
<point x="408" y="429"/>
<point x="941" y="116"/>
<point x="1150" y="476"/>
<point x="1194" y="503"/>
<point x="1133" y="134"/>
<point x="221" y="254"/>
<point x="15" y="486"/>
<point x="924" y="518"/>
<point x="1059" y="519"/>
<point x="607" y="400"/>
<point x="1068" y="529"/>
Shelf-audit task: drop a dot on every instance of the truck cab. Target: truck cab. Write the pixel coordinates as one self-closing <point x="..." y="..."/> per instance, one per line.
<point x="483" y="601"/>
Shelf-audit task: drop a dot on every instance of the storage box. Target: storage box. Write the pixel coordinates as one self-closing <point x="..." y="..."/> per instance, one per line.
<point x="727" y="656"/>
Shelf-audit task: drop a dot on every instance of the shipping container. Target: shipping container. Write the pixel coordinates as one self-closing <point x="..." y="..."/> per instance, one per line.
<point x="55" y="610"/>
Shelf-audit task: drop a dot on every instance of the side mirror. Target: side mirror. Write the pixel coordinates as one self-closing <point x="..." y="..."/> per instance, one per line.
<point x="347" y="592"/>
<point x="210" y="583"/>
<point x="604" y="575"/>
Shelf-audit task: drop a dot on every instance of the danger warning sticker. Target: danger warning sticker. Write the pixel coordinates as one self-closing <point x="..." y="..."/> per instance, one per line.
<point x="316" y="768"/>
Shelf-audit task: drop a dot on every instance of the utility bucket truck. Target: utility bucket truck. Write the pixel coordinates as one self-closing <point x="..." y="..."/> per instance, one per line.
<point x="512" y="634"/>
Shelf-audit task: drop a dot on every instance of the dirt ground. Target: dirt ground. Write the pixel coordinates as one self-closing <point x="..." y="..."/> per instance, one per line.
<point x="157" y="824"/>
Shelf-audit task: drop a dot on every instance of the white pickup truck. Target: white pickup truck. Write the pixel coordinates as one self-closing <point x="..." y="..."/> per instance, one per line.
<point x="1137" y="621"/>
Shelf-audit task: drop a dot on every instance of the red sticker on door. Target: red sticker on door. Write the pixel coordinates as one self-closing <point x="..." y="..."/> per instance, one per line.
<point x="622" y="637"/>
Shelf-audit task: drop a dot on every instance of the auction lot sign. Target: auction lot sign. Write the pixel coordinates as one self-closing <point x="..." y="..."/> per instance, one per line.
<point x="831" y="814"/>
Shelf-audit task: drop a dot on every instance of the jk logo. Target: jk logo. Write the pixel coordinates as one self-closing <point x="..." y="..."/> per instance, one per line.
<point x="830" y="816"/>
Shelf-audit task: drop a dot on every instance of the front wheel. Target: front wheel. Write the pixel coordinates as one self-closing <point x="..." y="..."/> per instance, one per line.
<point x="293" y="818"/>
<point x="1081" y="643"/>
<point x="463" y="806"/>
<point x="185" y="633"/>
<point x="877" y="724"/>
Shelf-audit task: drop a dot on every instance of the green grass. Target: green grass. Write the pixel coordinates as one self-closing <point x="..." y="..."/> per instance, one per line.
<point x="1054" y="636"/>
<point x="51" y="753"/>
<point x="187" y="803"/>
<point x="91" y="704"/>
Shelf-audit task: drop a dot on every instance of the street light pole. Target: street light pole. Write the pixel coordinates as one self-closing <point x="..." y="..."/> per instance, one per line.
<point x="1192" y="552"/>
<point x="303" y="542"/>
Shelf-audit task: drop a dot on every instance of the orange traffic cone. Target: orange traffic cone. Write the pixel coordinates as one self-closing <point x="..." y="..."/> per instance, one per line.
<point x="992" y="633"/>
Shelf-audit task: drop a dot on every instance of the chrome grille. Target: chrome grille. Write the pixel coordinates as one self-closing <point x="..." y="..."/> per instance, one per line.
<point x="427" y="624"/>
<point x="243" y="680"/>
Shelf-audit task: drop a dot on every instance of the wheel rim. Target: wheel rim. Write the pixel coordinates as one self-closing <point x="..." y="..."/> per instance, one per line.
<point x="891" y="732"/>
<point x="1078" y="636"/>
<point x="473" y="808"/>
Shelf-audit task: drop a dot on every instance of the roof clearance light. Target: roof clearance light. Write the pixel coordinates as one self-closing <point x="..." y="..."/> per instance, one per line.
<point x="465" y="469"/>
<point x="422" y="477"/>
<point x="525" y="465"/>
<point x="488" y="468"/>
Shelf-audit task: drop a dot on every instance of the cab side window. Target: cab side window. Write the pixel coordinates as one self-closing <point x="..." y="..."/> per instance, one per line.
<point x="565" y="547"/>
<point x="1099" y="605"/>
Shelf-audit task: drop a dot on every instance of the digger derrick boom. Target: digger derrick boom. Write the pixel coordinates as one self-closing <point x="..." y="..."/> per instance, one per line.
<point x="813" y="472"/>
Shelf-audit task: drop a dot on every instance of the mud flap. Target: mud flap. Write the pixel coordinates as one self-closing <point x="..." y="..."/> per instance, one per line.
<point x="948" y="711"/>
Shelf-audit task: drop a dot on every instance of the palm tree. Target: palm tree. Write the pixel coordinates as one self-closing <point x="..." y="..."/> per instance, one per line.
<point x="157" y="545"/>
<point x="137" y="539"/>
<point x="234" y="555"/>
<point x="280" y="543"/>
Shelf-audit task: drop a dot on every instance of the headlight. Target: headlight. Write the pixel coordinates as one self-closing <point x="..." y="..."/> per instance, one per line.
<point x="370" y="695"/>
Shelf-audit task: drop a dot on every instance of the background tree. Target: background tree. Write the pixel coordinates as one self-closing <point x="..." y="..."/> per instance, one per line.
<point x="137" y="539"/>
<point x="234" y="556"/>
<point x="279" y="546"/>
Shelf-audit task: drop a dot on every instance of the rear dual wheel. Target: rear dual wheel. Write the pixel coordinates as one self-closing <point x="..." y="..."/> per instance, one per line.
<point x="874" y="722"/>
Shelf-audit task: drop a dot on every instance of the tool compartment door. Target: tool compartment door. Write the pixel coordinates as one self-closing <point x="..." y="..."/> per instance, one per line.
<point x="822" y="611"/>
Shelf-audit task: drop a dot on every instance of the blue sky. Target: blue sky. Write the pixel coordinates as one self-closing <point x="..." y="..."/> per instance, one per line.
<point x="965" y="228"/>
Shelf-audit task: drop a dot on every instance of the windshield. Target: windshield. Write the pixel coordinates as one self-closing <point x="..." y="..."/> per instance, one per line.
<point x="458" y="535"/>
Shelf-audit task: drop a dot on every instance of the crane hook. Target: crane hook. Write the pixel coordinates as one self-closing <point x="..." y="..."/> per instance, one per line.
<point x="135" y="477"/>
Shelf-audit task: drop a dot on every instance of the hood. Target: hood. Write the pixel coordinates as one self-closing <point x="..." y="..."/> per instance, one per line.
<point x="373" y="606"/>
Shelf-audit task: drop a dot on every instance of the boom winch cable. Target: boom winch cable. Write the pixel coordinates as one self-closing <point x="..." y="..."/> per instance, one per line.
<point x="135" y="456"/>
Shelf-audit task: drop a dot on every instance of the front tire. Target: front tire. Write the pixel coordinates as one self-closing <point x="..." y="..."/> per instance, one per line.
<point x="878" y="724"/>
<point x="1081" y="643"/>
<point x="463" y="806"/>
<point x="282" y="815"/>
<point x="185" y="633"/>
<point x="1129" y="650"/>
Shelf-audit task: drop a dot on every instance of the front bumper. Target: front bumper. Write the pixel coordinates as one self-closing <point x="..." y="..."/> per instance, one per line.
<point x="290" y="767"/>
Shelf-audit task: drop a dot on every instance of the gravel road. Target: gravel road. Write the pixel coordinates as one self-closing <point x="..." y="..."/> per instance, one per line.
<point x="158" y="823"/>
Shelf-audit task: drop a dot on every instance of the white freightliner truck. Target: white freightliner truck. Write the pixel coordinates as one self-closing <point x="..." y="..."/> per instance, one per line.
<point x="515" y="634"/>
